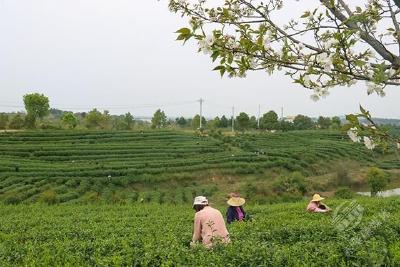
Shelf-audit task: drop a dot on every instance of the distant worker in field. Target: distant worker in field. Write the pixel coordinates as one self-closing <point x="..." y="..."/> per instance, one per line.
<point x="235" y="210"/>
<point x="316" y="205"/>
<point x="209" y="224"/>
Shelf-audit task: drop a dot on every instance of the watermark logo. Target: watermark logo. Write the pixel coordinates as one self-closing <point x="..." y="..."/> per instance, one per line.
<point x="348" y="215"/>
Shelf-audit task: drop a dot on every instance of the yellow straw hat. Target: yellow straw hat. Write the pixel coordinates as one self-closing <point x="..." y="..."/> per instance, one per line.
<point x="317" y="197"/>
<point x="236" y="201"/>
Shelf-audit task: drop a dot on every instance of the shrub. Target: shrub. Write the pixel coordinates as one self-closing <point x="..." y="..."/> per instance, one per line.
<point x="377" y="180"/>
<point x="91" y="197"/>
<point x="293" y="183"/>
<point x="12" y="198"/>
<point x="49" y="197"/>
<point x="344" y="192"/>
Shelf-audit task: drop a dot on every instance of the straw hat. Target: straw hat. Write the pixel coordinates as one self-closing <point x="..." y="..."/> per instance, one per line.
<point x="236" y="201"/>
<point x="317" y="197"/>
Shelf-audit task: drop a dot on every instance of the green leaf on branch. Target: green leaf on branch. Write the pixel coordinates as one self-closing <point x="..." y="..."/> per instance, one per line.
<point x="365" y="113"/>
<point x="353" y="119"/>
<point x="306" y="14"/>
<point x="215" y="55"/>
<point x="184" y="34"/>
<point x="222" y="69"/>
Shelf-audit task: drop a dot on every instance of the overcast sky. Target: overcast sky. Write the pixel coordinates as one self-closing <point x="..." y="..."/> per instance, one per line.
<point x="121" y="55"/>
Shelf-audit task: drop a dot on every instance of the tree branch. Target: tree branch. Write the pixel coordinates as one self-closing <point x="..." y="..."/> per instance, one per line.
<point x="375" y="44"/>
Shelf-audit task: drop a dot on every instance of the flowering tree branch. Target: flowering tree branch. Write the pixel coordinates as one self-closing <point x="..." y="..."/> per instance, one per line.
<point x="335" y="43"/>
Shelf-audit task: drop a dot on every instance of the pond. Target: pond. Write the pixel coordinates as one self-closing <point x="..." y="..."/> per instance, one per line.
<point x="386" y="193"/>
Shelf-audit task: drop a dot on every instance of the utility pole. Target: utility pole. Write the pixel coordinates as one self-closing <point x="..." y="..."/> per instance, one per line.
<point x="281" y="113"/>
<point x="201" y="112"/>
<point x="258" y="118"/>
<point x="233" y="119"/>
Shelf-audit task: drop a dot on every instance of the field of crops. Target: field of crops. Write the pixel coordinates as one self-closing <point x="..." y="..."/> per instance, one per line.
<point x="159" y="235"/>
<point x="68" y="166"/>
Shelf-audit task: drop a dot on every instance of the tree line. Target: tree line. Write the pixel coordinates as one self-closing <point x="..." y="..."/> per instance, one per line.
<point x="39" y="115"/>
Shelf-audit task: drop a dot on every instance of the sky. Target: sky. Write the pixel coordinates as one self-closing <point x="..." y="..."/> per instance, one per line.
<point x="122" y="56"/>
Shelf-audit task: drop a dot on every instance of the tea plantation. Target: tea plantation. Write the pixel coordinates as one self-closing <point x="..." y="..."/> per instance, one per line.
<point x="70" y="166"/>
<point x="159" y="235"/>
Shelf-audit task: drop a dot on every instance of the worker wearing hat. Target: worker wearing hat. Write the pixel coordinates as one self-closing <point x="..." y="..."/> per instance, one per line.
<point x="209" y="225"/>
<point x="235" y="210"/>
<point x="316" y="205"/>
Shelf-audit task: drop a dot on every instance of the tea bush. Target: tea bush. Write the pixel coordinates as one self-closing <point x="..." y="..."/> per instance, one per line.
<point x="159" y="235"/>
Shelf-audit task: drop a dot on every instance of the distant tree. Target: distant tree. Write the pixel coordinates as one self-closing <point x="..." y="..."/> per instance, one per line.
<point x="377" y="180"/>
<point x="181" y="121"/>
<point x="37" y="106"/>
<point x="159" y="120"/>
<point x="129" y="121"/>
<point x="253" y="122"/>
<point x="214" y="123"/>
<point x="118" y="123"/>
<point x="269" y="120"/>
<point x="3" y="120"/>
<point x="243" y="121"/>
<point x="336" y="123"/>
<point x="57" y="113"/>
<point x="16" y="122"/>
<point x="285" y="125"/>
<point x="95" y="120"/>
<point x="302" y="122"/>
<point x="196" y="122"/>
<point x="69" y="120"/>
<point x="224" y="122"/>
<point x="324" y="122"/>
<point x="107" y="123"/>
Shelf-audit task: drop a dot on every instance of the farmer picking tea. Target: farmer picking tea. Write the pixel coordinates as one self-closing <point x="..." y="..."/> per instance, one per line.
<point x="316" y="205"/>
<point x="209" y="225"/>
<point x="235" y="210"/>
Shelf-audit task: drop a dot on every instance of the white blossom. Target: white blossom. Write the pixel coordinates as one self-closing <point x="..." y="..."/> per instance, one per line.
<point x="206" y="43"/>
<point x="375" y="88"/>
<point x="331" y="42"/>
<point x="351" y="82"/>
<point x="315" y="97"/>
<point x="267" y="40"/>
<point x="279" y="53"/>
<point x="369" y="143"/>
<point x="324" y="60"/>
<point x="391" y="72"/>
<point x="253" y="63"/>
<point x="353" y="134"/>
<point x="182" y="2"/>
<point x="398" y="145"/>
<point x="267" y="43"/>
<point x="210" y="40"/>
<point x="231" y="42"/>
<point x="307" y="80"/>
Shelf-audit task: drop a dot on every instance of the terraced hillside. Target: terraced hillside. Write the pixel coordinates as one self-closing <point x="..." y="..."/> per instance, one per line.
<point x="71" y="165"/>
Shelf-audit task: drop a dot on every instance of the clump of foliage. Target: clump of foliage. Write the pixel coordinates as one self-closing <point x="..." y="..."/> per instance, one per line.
<point x="377" y="180"/>
<point x="345" y="193"/>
